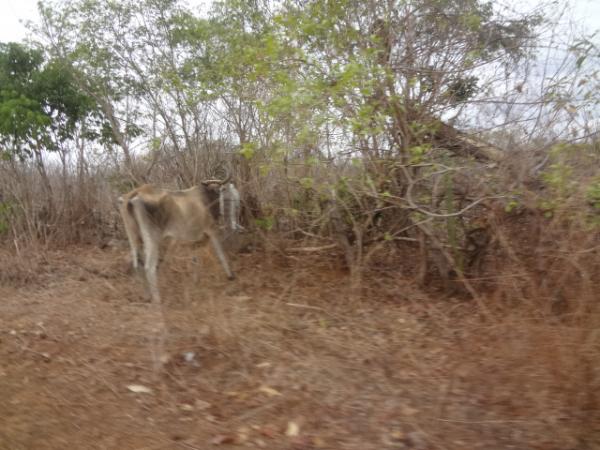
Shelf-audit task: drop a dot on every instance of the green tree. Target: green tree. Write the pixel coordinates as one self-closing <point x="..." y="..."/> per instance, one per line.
<point x="139" y="60"/>
<point x="41" y="108"/>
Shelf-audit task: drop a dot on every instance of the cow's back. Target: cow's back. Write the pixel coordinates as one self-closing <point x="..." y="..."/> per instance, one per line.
<point x="188" y="214"/>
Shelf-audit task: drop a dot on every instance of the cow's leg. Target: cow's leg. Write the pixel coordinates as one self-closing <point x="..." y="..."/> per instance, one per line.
<point x="151" y="238"/>
<point x="151" y="266"/>
<point x="214" y="240"/>
<point x="132" y="231"/>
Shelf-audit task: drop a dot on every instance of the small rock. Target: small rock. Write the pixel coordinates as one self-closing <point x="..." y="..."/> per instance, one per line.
<point x="189" y="356"/>
<point x="416" y="440"/>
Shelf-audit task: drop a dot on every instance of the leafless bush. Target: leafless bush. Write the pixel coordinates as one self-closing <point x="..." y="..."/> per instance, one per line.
<point x="73" y="208"/>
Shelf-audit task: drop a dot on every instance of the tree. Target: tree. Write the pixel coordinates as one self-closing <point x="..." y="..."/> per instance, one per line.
<point x="372" y="81"/>
<point x="41" y="108"/>
<point x="134" y="58"/>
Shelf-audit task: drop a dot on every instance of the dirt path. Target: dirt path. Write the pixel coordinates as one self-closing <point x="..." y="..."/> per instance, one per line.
<point x="283" y="358"/>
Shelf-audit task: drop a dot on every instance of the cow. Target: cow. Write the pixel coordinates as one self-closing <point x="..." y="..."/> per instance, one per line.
<point x="151" y="214"/>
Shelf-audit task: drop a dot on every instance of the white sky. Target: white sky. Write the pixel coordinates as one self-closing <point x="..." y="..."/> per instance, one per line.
<point x="11" y="12"/>
<point x="14" y="12"/>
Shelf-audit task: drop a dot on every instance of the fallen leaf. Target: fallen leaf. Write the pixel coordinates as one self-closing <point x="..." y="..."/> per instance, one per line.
<point x="221" y="439"/>
<point x="242" y="435"/>
<point x="139" y="389"/>
<point x="408" y="410"/>
<point x="293" y="429"/>
<point x="268" y="431"/>
<point x="318" y="442"/>
<point x="397" y="435"/>
<point x="394" y="439"/>
<point x="201" y="405"/>
<point x="269" y="391"/>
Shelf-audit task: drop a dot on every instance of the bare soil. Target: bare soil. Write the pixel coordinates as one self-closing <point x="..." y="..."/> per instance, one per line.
<point x="288" y="356"/>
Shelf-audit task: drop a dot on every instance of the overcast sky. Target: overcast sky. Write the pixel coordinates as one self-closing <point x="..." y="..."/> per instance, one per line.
<point x="14" y="12"/>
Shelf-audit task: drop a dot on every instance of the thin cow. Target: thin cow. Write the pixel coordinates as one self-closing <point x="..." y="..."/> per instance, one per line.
<point x="151" y="214"/>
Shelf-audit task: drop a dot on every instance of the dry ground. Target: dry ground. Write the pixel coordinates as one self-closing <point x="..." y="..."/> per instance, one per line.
<point x="285" y="357"/>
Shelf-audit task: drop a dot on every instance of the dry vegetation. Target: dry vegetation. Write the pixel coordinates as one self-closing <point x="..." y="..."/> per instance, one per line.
<point x="292" y="356"/>
<point x="421" y="200"/>
<point x="309" y="348"/>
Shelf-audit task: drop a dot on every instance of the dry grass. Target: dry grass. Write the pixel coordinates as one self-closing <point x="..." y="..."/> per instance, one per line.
<point x="287" y="342"/>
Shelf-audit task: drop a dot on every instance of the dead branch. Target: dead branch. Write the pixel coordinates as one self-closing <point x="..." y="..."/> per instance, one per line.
<point x="311" y="249"/>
